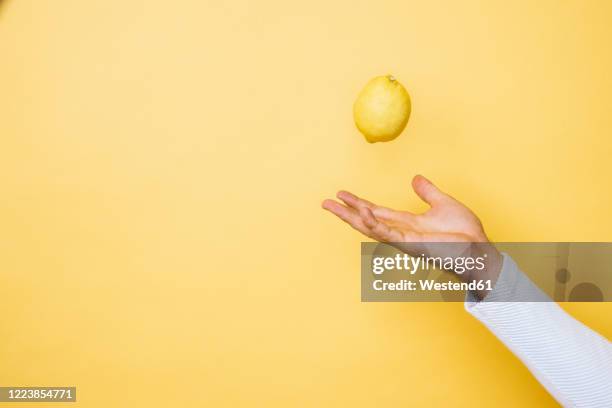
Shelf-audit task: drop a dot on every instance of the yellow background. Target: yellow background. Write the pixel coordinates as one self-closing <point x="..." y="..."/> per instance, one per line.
<point x="162" y="165"/>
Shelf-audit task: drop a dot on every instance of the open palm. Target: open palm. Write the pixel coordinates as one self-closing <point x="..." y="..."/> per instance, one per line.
<point x="446" y="221"/>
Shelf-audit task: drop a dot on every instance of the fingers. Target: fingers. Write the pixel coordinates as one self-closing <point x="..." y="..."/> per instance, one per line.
<point x="379" y="230"/>
<point x="353" y="201"/>
<point x="348" y="215"/>
<point x="400" y="217"/>
<point x="384" y="213"/>
<point x="427" y="191"/>
<point x="364" y="221"/>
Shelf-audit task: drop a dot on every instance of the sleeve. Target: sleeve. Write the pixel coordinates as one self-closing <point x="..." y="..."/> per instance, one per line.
<point x="571" y="361"/>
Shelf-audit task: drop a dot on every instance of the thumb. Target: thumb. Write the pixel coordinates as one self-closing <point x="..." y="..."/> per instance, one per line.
<point x="427" y="190"/>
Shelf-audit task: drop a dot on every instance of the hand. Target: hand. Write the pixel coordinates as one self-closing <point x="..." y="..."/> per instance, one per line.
<point x="446" y="221"/>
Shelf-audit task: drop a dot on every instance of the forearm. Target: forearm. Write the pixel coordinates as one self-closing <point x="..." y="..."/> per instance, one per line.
<point x="570" y="360"/>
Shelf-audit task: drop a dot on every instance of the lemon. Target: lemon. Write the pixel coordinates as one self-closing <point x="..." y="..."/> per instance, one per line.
<point x="382" y="109"/>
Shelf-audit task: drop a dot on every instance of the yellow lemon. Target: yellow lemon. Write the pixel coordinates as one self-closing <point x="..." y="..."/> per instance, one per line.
<point x="382" y="109"/>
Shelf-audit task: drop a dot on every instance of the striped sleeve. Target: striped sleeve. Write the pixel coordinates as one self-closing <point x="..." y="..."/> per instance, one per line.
<point x="571" y="361"/>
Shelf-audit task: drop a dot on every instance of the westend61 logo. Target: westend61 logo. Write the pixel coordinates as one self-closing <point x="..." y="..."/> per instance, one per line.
<point x="412" y="264"/>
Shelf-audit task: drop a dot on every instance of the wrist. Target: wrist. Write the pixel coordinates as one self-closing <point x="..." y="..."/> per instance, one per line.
<point x="492" y="260"/>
